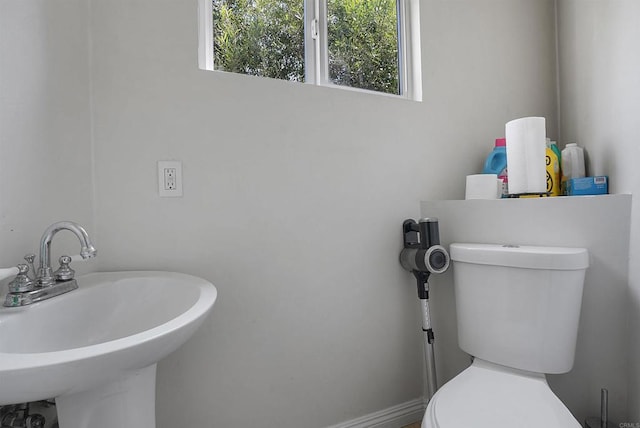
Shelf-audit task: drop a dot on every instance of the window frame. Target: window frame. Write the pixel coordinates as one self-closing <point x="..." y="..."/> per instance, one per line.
<point x="316" y="46"/>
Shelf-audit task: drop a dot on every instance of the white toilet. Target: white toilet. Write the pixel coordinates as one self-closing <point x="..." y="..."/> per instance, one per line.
<point x="518" y="312"/>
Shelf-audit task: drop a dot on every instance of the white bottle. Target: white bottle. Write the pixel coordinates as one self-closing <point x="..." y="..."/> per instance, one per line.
<point x="572" y="162"/>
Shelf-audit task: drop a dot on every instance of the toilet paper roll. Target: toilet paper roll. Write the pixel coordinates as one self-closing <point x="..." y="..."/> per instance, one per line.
<point x="483" y="186"/>
<point x="526" y="155"/>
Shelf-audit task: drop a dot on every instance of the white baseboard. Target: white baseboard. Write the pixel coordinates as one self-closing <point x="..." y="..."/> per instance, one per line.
<point x="392" y="417"/>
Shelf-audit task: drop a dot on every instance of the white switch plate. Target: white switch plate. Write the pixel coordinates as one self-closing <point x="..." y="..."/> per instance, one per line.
<point x="170" y="179"/>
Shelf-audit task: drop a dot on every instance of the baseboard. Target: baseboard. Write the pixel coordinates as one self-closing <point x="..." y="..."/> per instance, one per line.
<point x="392" y="417"/>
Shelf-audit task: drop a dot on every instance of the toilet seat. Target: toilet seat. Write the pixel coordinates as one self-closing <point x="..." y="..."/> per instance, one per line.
<point x="487" y="395"/>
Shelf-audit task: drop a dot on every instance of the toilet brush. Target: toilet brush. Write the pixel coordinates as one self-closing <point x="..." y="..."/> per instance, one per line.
<point x="603" y="420"/>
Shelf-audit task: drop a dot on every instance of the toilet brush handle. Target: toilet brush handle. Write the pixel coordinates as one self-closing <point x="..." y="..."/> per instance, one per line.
<point x="604" y="407"/>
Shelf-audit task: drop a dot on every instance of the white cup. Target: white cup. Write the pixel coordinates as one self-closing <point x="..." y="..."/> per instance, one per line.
<point x="483" y="186"/>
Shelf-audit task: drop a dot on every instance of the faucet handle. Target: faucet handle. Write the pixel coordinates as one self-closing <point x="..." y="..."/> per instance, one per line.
<point x="29" y="258"/>
<point x="21" y="282"/>
<point x="64" y="272"/>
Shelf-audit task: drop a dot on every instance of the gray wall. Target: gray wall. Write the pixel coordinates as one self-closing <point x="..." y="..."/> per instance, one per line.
<point x="599" y="103"/>
<point x="293" y="200"/>
<point x="45" y="125"/>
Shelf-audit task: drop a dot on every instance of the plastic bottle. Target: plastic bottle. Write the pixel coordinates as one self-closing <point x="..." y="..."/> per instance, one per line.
<point x="496" y="163"/>
<point x="553" y="170"/>
<point x="572" y="163"/>
<point x="556" y="150"/>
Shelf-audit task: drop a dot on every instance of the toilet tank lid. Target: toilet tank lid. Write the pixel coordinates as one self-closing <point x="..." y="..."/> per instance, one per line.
<point x="530" y="257"/>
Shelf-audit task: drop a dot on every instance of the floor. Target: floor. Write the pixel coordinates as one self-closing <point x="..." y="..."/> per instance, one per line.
<point x="413" y="425"/>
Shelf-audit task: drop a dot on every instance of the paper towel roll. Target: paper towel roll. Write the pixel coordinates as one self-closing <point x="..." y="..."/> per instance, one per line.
<point x="483" y="186"/>
<point x="526" y="155"/>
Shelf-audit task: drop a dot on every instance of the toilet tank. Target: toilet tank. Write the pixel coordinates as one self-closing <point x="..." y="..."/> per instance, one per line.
<point x="519" y="306"/>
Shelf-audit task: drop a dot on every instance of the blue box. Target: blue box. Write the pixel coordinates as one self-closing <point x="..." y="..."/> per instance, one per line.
<point x="588" y="186"/>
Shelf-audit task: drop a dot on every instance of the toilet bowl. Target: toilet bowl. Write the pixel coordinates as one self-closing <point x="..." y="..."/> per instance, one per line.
<point x="489" y="395"/>
<point x="518" y="310"/>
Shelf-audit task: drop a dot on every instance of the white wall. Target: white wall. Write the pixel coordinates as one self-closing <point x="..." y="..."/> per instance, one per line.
<point x="45" y="126"/>
<point x="600" y="101"/>
<point x="565" y="221"/>
<point x="293" y="201"/>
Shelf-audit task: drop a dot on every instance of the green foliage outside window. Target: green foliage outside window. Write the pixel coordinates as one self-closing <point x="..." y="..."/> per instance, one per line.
<point x="363" y="44"/>
<point x="260" y="37"/>
<point x="266" y="38"/>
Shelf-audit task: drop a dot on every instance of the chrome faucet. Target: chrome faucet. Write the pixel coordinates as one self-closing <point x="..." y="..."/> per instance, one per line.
<point x="23" y="290"/>
<point x="45" y="276"/>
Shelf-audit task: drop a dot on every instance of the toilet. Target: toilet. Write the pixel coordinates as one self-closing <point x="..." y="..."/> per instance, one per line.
<point x="518" y="309"/>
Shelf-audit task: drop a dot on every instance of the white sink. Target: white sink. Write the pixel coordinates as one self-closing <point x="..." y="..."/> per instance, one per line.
<point x="95" y="349"/>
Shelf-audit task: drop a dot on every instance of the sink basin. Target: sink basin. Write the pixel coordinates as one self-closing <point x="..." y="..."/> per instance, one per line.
<point x="95" y="349"/>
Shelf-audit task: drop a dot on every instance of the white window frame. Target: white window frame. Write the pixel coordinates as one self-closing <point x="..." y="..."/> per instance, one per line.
<point x="205" y="35"/>
<point x="316" y="51"/>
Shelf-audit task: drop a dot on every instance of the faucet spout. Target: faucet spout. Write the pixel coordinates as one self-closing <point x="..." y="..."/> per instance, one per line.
<point x="87" y="250"/>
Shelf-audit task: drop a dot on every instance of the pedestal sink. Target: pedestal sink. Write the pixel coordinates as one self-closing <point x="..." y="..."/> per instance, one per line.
<point x="95" y="349"/>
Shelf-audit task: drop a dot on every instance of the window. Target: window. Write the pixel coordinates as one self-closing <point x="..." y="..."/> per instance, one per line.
<point x="361" y="44"/>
